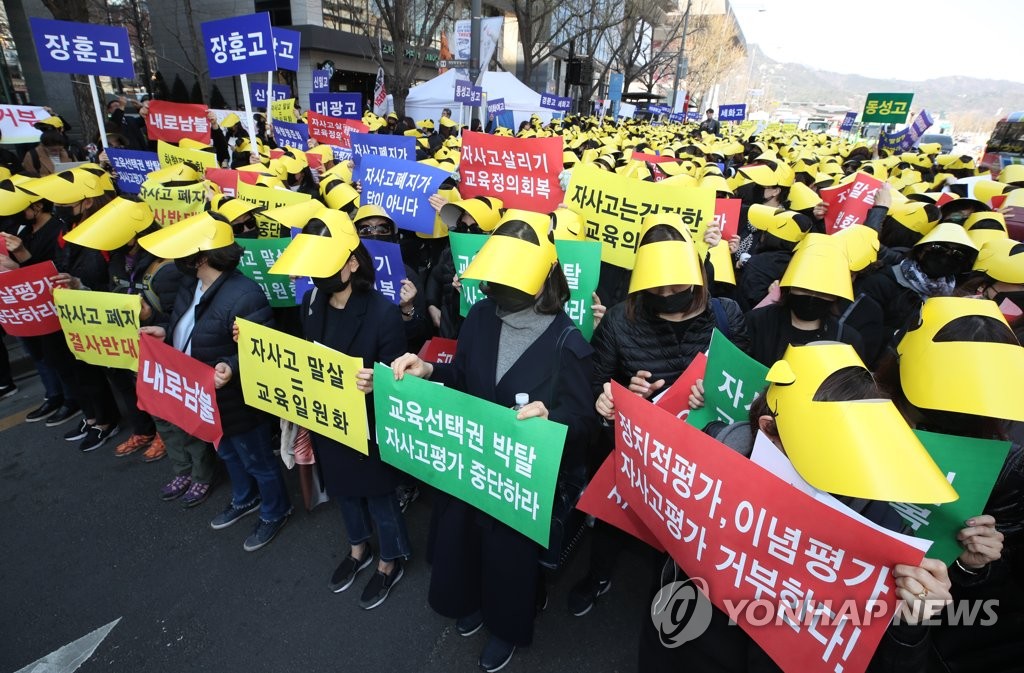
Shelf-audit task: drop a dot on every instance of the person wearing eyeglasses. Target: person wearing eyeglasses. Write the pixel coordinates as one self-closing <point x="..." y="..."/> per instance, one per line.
<point x="931" y="269"/>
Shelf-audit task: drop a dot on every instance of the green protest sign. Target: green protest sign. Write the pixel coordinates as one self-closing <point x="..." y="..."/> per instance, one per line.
<point x="581" y="264"/>
<point x="464" y="249"/>
<point x="260" y="255"/>
<point x="471" y="449"/>
<point x="971" y="466"/>
<point x="886" y="108"/>
<point x="732" y="381"/>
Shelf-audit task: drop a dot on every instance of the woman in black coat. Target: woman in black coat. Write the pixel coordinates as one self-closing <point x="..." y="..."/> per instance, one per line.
<point x="519" y="340"/>
<point x="345" y="313"/>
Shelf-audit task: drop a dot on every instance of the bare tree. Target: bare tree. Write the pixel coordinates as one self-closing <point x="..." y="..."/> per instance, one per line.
<point x="412" y="26"/>
<point x="190" y="55"/>
<point x="713" y="48"/>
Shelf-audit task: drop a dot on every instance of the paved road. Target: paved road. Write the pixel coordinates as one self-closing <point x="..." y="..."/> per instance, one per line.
<point x="86" y="540"/>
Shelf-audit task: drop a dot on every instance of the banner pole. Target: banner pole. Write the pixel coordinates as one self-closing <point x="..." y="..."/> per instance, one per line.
<point x="102" y="127"/>
<point x="248" y="115"/>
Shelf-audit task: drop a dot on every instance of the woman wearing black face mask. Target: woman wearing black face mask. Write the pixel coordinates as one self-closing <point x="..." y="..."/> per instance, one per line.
<point x="373" y="224"/>
<point x="817" y="277"/>
<point x="931" y="269"/>
<point x="645" y="343"/>
<point x="519" y="340"/>
<point x="345" y="313"/>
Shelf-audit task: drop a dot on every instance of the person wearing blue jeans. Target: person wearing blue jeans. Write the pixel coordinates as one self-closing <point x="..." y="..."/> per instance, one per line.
<point x="360" y="513"/>
<point x="256" y="480"/>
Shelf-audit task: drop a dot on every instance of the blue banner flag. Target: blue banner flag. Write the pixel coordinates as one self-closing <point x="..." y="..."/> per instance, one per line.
<point x="396" y="147"/>
<point x="402" y="188"/>
<point x="495" y="106"/>
<point x="341" y="105"/>
<point x="732" y="113"/>
<point x="258" y="92"/>
<point x="239" y="45"/>
<point x="286" y="48"/>
<point x="321" y="81"/>
<point x="552" y="102"/>
<point x="291" y="135"/>
<point x="848" y="121"/>
<point x="615" y="83"/>
<point x="132" y="167"/>
<point x="82" y="48"/>
<point x="677" y="117"/>
<point x="693" y="116"/>
<point x="463" y="91"/>
<point x="388" y="268"/>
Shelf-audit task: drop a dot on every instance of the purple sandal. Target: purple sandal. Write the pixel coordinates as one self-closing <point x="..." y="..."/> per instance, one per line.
<point x="176" y="487"/>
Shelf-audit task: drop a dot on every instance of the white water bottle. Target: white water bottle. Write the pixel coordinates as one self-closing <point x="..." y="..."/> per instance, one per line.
<point x="522" y="399"/>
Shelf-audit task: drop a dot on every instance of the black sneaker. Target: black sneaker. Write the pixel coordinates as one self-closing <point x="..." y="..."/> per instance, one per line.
<point x="231" y="514"/>
<point x="467" y="626"/>
<point x="264" y="532"/>
<point x="379" y="586"/>
<point x="407" y="495"/>
<point x="96" y="437"/>
<point x="584" y="594"/>
<point x="44" y="410"/>
<point x="62" y="415"/>
<point x="496" y="654"/>
<point x="8" y="390"/>
<point x="78" y="432"/>
<point x="345" y="574"/>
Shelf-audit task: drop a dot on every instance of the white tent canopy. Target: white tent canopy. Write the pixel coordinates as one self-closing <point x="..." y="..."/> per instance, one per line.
<point x="426" y="100"/>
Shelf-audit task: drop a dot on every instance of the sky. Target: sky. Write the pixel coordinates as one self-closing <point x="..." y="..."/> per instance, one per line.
<point x="902" y="39"/>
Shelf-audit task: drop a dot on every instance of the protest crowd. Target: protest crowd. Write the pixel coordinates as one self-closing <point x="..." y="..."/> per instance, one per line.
<point x="636" y="312"/>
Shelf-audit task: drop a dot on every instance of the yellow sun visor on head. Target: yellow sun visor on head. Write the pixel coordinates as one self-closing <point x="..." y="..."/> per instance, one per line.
<point x="760" y="175"/>
<point x="230" y="120"/>
<point x="67" y="187"/>
<point x="337" y="193"/>
<point x="860" y="449"/>
<point x="861" y="245"/>
<point x="1002" y="260"/>
<point x="112" y="226"/>
<point x="485" y="211"/>
<point x="568" y="225"/>
<point x="948" y="232"/>
<point x="13" y="199"/>
<point x="802" y="197"/>
<point x="512" y="261"/>
<point x="232" y="209"/>
<point x="193" y="234"/>
<point x="775" y="221"/>
<point x="820" y="265"/>
<point x="440" y="228"/>
<point x="970" y="377"/>
<point x="295" y="215"/>
<point x="665" y="263"/>
<point x="319" y="256"/>
<point x="721" y="261"/>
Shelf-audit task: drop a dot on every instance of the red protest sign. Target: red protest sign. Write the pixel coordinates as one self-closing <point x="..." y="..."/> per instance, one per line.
<point x="315" y="160"/>
<point x="850" y="202"/>
<point x="602" y="500"/>
<point x="944" y="198"/>
<point x="173" y="121"/>
<point x="332" y="130"/>
<point x="225" y="178"/>
<point x="438" y="350"/>
<point x="26" y="301"/>
<point x="522" y="172"/>
<point x="652" y="158"/>
<point x="3" y="247"/>
<point x="178" y="389"/>
<point x="812" y="586"/>
<point x="727" y="216"/>
<point x="676" y="400"/>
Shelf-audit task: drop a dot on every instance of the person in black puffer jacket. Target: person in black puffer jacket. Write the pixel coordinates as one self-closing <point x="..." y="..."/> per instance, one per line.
<point x="214" y="295"/>
<point x="645" y="343"/>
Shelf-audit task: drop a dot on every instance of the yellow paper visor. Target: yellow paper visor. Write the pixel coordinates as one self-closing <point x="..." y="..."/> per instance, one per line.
<point x="314" y="256"/>
<point x="665" y="263"/>
<point x="191" y="235"/>
<point x="511" y="261"/>
<point x="112" y="226"/>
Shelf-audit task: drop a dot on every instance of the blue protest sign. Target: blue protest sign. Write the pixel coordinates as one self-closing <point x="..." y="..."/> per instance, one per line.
<point x="291" y="135"/>
<point x="476" y="96"/>
<point x="239" y="45"/>
<point x="732" y="113"/>
<point x="258" y="92"/>
<point x="677" y="117"/>
<point x="921" y="124"/>
<point x="132" y="167"/>
<point x="693" y="116"/>
<point x="615" y="83"/>
<point x="549" y="101"/>
<point x="396" y="147"/>
<point x="321" y="81"/>
<point x="656" y="109"/>
<point x="495" y="105"/>
<point x="82" y="48"/>
<point x="402" y="188"/>
<point x="388" y="267"/>
<point x="286" y="48"/>
<point x="848" y="121"/>
<point x="341" y="105"/>
<point x="463" y="91"/>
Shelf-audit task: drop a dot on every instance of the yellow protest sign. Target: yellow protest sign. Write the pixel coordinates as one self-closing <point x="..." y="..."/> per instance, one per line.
<point x="614" y="207"/>
<point x="267" y="198"/>
<point x="172" y="154"/>
<point x="302" y="382"/>
<point x="283" y="110"/>
<point x="173" y="203"/>
<point x="101" y="328"/>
